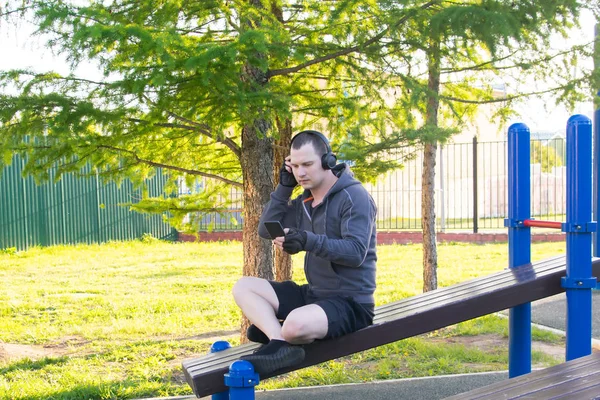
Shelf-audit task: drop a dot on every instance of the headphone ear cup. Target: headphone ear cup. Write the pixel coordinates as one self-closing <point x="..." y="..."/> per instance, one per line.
<point x="328" y="161"/>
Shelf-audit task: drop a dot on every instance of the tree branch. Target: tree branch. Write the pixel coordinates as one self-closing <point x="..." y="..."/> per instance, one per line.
<point x="477" y="67"/>
<point x="206" y="130"/>
<point x="6" y="13"/>
<point x="521" y="64"/>
<point x="172" y="167"/>
<point x="348" y="50"/>
<point x="506" y="98"/>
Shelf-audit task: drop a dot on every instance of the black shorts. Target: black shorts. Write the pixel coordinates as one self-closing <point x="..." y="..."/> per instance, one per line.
<point x="344" y="315"/>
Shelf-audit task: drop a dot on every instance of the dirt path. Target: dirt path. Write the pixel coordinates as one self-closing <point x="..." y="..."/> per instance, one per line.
<point x="10" y="352"/>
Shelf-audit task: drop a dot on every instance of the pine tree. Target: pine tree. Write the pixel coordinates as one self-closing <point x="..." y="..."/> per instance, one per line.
<point x="203" y="89"/>
<point x="450" y="56"/>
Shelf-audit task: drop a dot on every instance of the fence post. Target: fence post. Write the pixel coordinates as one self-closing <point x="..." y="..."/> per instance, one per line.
<point x="442" y="192"/>
<point x="216" y="347"/>
<point x="519" y="244"/>
<point x="579" y="227"/>
<point x="475" y="188"/>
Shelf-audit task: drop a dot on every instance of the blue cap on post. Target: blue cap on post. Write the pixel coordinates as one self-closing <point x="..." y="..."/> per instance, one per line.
<point x="579" y="119"/>
<point x="219" y="346"/>
<point x="241" y="375"/>
<point x="518" y="126"/>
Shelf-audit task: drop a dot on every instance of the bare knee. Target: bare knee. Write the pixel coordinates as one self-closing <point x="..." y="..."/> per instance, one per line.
<point x="305" y="324"/>
<point x="294" y="330"/>
<point x="248" y="288"/>
<point x="242" y="287"/>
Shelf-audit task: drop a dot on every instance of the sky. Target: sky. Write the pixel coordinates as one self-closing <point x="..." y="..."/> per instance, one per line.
<point x="20" y="50"/>
<point x="541" y="114"/>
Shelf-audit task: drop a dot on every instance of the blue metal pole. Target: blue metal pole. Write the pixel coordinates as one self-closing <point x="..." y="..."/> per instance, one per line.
<point x="216" y="347"/>
<point x="579" y="228"/>
<point x="241" y="380"/>
<point x="596" y="142"/>
<point x="596" y="171"/>
<point x="519" y="244"/>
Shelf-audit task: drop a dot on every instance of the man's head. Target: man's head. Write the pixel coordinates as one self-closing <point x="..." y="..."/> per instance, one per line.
<point x="311" y="159"/>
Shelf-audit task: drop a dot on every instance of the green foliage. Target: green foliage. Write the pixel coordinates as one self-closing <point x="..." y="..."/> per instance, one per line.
<point x="148" y="238"/>
<point x="9" y="250"/>
<point x="546" y="154"/>
<point x="185" y="212"/>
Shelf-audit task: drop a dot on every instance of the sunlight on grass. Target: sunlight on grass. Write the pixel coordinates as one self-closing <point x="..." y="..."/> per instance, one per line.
<point x="114" y="321"/>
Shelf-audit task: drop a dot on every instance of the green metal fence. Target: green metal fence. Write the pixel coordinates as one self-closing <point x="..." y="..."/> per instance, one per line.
<point x="73" y="210"/>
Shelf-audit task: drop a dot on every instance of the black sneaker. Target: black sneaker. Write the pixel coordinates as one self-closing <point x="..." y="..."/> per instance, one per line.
<point x="274" y="356"/>
<point x="254" y="334"/>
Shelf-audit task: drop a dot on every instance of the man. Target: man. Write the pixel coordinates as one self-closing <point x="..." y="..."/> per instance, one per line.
<point x="333" y="220"/>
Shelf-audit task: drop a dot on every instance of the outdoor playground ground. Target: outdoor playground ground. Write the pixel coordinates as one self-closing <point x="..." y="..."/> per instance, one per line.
<point x="114" y="321"/>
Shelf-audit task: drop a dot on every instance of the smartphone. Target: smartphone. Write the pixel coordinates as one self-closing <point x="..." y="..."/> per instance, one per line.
<point x="274" y="228"/>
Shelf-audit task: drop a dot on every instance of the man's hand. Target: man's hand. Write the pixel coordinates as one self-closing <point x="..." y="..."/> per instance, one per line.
<point x="286" y="177"/>
<point x="294" y="241"/>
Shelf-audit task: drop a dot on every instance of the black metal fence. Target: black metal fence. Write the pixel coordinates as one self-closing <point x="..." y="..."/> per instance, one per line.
<point x="471" y="189"/>
<point x="471" y="193"/>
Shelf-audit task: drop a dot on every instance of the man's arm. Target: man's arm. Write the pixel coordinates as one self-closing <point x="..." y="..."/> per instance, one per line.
<point x="278" y="209"/>
<point x="358" y="223"/>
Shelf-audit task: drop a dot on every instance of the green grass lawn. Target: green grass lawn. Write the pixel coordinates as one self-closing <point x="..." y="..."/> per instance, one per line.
<point x="114" y="321"/>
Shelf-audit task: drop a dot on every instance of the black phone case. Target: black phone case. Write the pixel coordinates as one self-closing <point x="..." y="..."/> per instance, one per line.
<point x="274" y="228"/>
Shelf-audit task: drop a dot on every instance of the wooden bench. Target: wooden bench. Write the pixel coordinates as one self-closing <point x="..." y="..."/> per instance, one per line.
<point x="406" y="318"/>
<point x="576" y="379"/>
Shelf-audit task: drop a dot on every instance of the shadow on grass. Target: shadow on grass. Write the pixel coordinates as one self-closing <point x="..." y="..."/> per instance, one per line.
<point x="107" y="390"/>
<point x="86" y="386"/>
<point x="27" y="364"/>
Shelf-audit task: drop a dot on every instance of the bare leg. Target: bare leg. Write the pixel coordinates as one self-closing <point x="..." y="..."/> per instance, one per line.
<point x="305" y="324"/>
<point x="259" y="303"/>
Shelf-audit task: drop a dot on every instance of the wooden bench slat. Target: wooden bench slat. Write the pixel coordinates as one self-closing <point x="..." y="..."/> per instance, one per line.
<point x="573" y="387"/>
<point x="219" y="358"/>
<point x="456" y="293"/>
<point x="512" y="275"/>
<point x="406" y="318"/>
<point x="571" y="379"/>
<point x="591" y="393"/>
<point x="560" y="378"/>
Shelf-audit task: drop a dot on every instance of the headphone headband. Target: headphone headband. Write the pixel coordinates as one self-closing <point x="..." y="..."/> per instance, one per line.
<point x="328" y="160"/>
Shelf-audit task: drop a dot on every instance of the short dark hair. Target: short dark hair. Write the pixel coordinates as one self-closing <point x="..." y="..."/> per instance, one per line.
<point x="306" y="137"/>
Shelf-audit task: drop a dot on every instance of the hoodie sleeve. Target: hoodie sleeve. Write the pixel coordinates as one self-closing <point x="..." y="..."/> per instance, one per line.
<point x="279" y="209"/>
<point x="357" y="225"/>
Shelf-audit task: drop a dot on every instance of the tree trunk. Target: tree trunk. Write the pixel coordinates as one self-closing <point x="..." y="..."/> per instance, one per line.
<point x="257" y="162"/>
<point x="428" y="177"/>
<point x="257" y="173"/>
<point x="257" y="167"/>
<point x="428" y="218"/>
<point x="283" y="261"/>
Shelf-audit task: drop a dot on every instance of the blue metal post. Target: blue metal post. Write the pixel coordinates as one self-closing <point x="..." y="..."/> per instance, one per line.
<point x="596" y="142"/>
<point x="241" y="380"/>
<point x="216" y="347"/>
<point x="519" y="244"/>
<point x="596" y="171"/>
<point x="579" y="227"/>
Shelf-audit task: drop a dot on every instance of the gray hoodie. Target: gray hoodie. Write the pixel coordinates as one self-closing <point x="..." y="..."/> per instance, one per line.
<point x="341" y="236"/>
